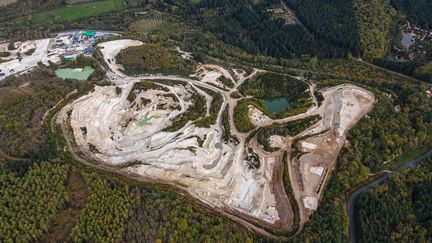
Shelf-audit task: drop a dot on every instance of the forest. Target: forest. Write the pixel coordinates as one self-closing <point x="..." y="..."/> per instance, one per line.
<point x="105" y="212"/>
<point x="163" y="215"/>
<point x="275" y="85"/>
<point x="375" y="20"/>
<point x="399" y="209"/>
<point x="215" y="106"/>
<point x="241" y="117"/>
<point x="29" y="203"/>
<point x="331" y="20"/>
<point x="37" y="201"/>
<point x="418" y="11"/>
<point x="152" y="59"/>
<point x="251" y="28"/>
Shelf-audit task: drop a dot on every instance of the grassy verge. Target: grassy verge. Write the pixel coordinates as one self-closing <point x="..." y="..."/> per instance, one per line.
<point x="407" y="157"/>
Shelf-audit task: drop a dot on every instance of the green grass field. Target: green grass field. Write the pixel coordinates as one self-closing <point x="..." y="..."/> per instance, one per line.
<point x="74" y="12"/>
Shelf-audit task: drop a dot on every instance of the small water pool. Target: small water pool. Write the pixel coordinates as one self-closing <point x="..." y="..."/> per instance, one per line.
<point x="408" y="39"/>
<point x="276" y="104"/>
<point x="75" y="73"/>
<point x="144" y="121"/>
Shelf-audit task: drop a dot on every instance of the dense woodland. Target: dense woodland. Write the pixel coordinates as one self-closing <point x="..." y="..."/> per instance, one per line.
<point x="29" y="203"/>
<point x="374" y="22"/>
<point x="273" y="85"/>
<point x="27" y="7"/>
<point x="152" y="59"/>
<point x="251" y="28"/>
<point x="159" y="215"/>
<point x="107" y="208"/>
<point x="332" y="20"/>
<point x="399" y="209"/>
<point x="418" y="11"/>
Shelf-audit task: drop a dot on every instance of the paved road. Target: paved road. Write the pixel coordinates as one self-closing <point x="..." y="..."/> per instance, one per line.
<point x="366" y="187"/>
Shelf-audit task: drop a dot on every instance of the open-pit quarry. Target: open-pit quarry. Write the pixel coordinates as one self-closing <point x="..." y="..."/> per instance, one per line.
<point x="132" y="128"/>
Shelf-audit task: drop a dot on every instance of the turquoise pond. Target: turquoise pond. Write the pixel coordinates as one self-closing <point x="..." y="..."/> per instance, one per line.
<point x="144" y="121"/>
<point x="275" y="104"/>
<point x="75" y="73"/>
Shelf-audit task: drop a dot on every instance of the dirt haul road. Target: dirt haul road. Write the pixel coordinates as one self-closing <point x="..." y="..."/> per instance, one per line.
<point x="128" y="137"/>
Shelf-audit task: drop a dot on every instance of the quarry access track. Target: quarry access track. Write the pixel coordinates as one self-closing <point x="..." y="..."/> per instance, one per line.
<point x="230" y="214"/>
<point x="253" y="224"/>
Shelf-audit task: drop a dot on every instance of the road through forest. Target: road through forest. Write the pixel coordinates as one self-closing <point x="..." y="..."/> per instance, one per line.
<point x="376" y="182"/>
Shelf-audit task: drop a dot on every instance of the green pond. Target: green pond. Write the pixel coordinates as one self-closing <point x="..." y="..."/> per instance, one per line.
<point x="75" y="73"/>
<point x="144" y="121"/>
<point x="275" y="104"/>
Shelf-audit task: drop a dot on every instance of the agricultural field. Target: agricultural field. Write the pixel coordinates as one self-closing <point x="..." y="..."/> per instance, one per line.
<point x="73" y="12"/>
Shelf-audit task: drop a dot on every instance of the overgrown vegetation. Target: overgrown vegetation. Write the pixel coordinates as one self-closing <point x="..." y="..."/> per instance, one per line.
<point x="374" y="21"/>
<point x="195" y="111"/>
<point x="152" y="58"/>
<point x="215" y="107"/>
<point x="22" y="110"/>
<point x="241" y="116"/>
<point x="291" y="128"/>
<point x="275" y="85"/>
<point x="141" y="86"/>
<point x="226" y="124"/>
<point x="290" y="193"/>
<point x="271" y="85"/>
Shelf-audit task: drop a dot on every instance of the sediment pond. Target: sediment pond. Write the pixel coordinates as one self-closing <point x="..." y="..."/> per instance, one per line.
<point x="75" y="73"/>
<point x="275" y="104"/>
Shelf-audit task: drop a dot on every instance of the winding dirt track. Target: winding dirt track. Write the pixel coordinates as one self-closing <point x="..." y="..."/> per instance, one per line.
<point x="229" y="214"/>
<point x="8" y="157"/>
<point x="256" y="225"/>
